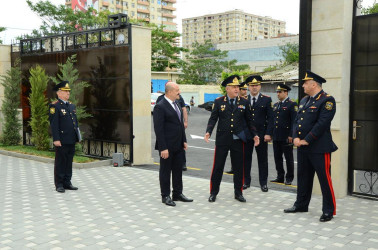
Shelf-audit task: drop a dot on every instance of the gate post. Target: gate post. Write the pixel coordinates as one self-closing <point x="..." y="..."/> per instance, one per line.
<point x="141" y="94"/>
<point x="331" y="57"/>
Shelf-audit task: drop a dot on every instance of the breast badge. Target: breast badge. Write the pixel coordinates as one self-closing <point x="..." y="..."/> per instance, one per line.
<point x="329" y="105"/>
<point x="64" y="111"/>
<point x="223" y="107"/>
<point x="52" y="110"/>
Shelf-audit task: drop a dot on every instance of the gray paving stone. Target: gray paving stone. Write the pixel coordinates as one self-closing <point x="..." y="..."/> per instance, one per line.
<point x="120" y="208"/>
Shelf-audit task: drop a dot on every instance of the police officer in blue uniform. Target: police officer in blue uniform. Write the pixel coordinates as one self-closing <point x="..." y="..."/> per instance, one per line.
<point x="285" y="111"/>
<point x="65" y="133"/>
<point x="231" y="112"/>
<point x="244" y="94"/>
<point x="312" y="135"/>
<point x="262" y="116"/>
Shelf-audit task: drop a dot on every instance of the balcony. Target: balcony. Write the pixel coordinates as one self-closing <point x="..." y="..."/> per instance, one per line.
<point x="143" y="11"/>
<point x="169" y="23"/>
<point x="144" y="19"/>
<point x="105" y="4"/>
<point x="143" y="3"/>
<point x="168" y="15"/>
<point x="168" y="8"/>
<point x="170" y="1"/>
<point x="118" y="6"/>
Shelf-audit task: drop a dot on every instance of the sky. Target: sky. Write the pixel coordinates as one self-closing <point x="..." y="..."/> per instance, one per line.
<point x="19" y="19"/>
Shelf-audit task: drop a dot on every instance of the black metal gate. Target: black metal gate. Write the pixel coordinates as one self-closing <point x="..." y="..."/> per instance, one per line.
<point x="104" y="61"/>
<point x="363" y="142"/>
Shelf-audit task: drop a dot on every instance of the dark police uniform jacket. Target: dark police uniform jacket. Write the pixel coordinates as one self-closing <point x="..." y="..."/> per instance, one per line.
<point x="284" y="117"/>
<point x="262" y="114"/>
<point x="231" y="121"/>
<point x="63" y="122"/>
<point x="313" y="123"/>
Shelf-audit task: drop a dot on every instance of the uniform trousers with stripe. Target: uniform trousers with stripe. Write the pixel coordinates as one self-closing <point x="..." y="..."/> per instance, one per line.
<point x="308" y="164"/>
<point x="279" y="148"/>
<point x="237" y="161"/>
<point x="63" y="164"/>
<point x="262" y="160"/>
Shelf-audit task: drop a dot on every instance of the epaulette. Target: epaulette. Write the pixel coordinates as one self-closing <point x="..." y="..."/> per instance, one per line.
<point x="56" y="101"/>
<point x="220" y="97"/>
<point x="265" y="95"/>
<point x="225" y="98"/>
<point x="322" y="94"/>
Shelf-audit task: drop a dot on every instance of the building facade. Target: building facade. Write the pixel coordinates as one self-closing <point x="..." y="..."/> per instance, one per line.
<point x="159" y="12"/>
<point x="230" y="26"/>
<point x="258" y="54"/>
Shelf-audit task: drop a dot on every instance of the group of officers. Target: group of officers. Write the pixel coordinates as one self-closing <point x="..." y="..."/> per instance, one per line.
<point x="245" y="122"/>
<point x="250" y="121"/>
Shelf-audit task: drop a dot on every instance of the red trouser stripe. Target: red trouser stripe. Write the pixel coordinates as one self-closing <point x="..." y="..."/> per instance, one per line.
<point x="327" y="157"/>
<point x="243" y="167"/>
<point x="211" y="184"/>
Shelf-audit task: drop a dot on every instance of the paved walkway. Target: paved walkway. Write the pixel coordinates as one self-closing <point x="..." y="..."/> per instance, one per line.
<point x="120" y="208"/>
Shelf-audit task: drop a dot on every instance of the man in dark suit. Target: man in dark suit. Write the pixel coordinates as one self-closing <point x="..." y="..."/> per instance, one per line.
<point x="171" y="143"/>
<point x="232" y="112"/>
<point x="262" y="116"/>
<point x="312" y="135"/>
<point x="181" y="103"/>
<point x="65" y="132"/>
<point x="284" y="111"/>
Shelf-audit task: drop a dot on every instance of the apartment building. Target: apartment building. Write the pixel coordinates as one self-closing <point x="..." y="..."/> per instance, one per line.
<point x="153" y="11"/>
<point x="230" y="26"/>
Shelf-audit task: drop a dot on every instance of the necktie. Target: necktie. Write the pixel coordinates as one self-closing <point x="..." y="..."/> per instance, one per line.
<point x="177" y="110"/>
<point x="253" y="101"/>
<point x="232" y="104"/>
<point x="310" y="100"/>
<point x="279" y="105"/>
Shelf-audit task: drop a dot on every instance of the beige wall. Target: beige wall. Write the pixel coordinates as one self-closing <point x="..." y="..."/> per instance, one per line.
<point x="331" y="58"/>
<point x="5" y="64"/>
<point x="141" y="78"/>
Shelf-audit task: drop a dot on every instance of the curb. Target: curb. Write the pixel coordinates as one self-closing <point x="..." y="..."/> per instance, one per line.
<point x="50" y="160"/>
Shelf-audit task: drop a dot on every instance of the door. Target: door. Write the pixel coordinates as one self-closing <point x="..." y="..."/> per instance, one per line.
<point x="363" y="164"/>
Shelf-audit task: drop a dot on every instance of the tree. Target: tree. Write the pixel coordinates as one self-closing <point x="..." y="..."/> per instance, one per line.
<point x="60" y="19"/>
<point x="204" y="64"/>
<point x="39" y="110"/>
<point x="370" y="10"/>
<point x="290" y="52"/>
<point x="12" y="90"/>
<point x="164" y="50"/>
<point x="1" y="30"/>
<point x="69" y="73"/>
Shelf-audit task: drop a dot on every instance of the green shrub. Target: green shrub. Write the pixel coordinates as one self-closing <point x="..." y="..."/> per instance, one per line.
<point x="12" y="90"/>
<point x="39" y="110"/>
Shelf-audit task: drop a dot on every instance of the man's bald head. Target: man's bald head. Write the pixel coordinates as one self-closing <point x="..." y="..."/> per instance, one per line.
<point x="172" y="90"/>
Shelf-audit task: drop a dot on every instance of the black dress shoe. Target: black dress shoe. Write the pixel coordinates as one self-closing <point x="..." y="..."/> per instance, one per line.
<point x="212" y="198"/>
<point x="264" y="188"/>
<point x="240" y="197"/>
<point x="246" y="186"/>
<point x="168" y="201"/>
<point x="60" y="189"/>
<point x="184" y="168"/>
<point x="70" y="187"/>
<point x="326" y="217"/>
<point x="295" y="209"/>
<point x="288" y="182"/>
<point x="230" y="172"/>
<point x="277" y="180"/>
<point x="181" y="197"/>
